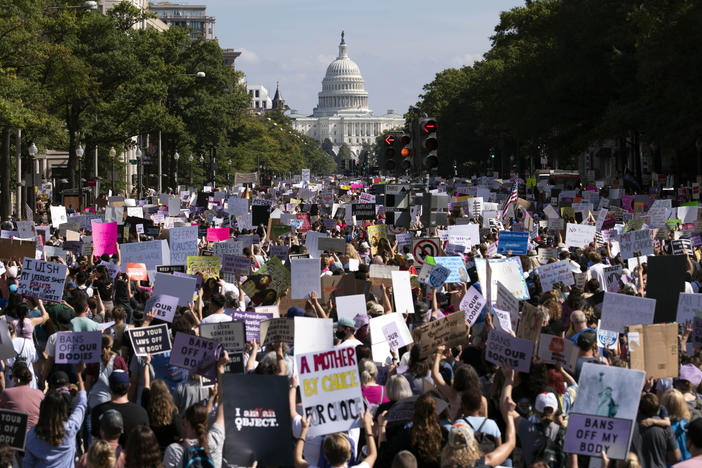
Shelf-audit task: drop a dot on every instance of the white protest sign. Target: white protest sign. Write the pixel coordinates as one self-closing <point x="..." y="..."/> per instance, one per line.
<point x="150" y="253"/>
<point x="183" y="244"/>
<point x="635" y="244"/>
<point x="464" y="234"/>
<point x="330" y="388"/>
<point x="380" y="347"/>
<point x="135" y="211"/>
<point x="26" y="229"/>
<point x="163" y="305"/>
<point x="502" y="348"/>
<point x="621" y="310"/>
<point x="313" y="334"/>
<point x="601" y="219"/>
<point x="58" y="216"/>
<point x="42" y="280"/>
<point x="181" y="287"/>
<point x="350" y="306"/>
<point x="472" y="304"/>
<point x="555" y="274"/>
<point x="304" y="273"/>
<point x="77" y="347"/>
<point x="579" y="235"/>
<point x="508" y="271"/>
<point x="556" y="350"/>
<point x="503" y="320"/>
<point x="402" y="292"/>
<point x="507" y="302"/>
<point x="232" y="335"/>
<point x="173" y="206"/>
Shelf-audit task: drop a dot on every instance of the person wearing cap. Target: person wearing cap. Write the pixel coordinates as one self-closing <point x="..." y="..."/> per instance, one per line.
<point x="345" y="329"/>
<point x="132" y="414"/>
<point x="533" y="431"/>
<point x="409" y="264"/>
<point x="111" y="428"/>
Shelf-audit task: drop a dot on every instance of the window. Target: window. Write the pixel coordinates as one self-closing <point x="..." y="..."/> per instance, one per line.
<point x="256" y="92"/>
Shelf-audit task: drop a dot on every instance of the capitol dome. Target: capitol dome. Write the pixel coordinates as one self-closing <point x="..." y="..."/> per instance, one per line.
<point x="343" y="88"/>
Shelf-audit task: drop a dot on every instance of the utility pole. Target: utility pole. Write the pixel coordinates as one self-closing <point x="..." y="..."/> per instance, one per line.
<point x="18" y="148"/>
<point x="160" y="167"/>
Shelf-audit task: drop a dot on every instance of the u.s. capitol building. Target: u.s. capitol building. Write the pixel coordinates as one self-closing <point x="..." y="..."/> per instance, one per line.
<point x="342" y="114"/>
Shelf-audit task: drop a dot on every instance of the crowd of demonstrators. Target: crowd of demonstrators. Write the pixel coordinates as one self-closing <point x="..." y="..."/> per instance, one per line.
<point x="451" y="408"/>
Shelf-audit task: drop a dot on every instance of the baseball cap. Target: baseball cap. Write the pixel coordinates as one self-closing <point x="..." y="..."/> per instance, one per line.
<point x="111" y="423"/>
<point x="409" y="257"/>
<point x="460" y="436"/>
<point x="58" y="379"/>
<point x="118" y="377"/>
<point x="345" y="322"/>
<point x="295" y="311"/>
<point x="546" y="400"/>
<point x="364" y="245"/>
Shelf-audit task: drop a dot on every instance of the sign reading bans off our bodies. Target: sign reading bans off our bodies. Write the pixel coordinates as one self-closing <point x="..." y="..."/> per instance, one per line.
<point x="331" y="389"/>
<point x="77" y="347"/>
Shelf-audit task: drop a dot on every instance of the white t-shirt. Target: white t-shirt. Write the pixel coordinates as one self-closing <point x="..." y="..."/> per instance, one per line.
<point x="217" y="318"/>
<point x="25" y="348"/>
<point x="597" y="272"/>
<point x="351" y="342"/>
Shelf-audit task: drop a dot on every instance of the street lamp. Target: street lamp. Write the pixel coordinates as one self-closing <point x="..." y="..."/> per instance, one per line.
<point x="113" y="153"/>
<point x="79" y="155"/>
<point x="190" y="158"/>
<point x="176" y="156"/>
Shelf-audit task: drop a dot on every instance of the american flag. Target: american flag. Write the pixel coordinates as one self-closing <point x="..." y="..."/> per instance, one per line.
<point x="512" y="197"/>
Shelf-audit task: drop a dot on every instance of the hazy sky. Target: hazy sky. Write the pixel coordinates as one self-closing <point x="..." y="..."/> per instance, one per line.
<point x="399" y="45"/>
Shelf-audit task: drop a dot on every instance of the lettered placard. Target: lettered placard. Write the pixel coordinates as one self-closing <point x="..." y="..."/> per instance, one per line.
<point x="502" y="348"/>
<point x="77" y="347"/>
<point x="43" y="280"/>
<point x="153" y="340"/>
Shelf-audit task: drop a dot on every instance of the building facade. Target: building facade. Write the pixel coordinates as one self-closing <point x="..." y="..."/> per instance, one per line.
<point x="260" y="100"/>
<point x="342" y="114"/>
<point x="192" y="16"/>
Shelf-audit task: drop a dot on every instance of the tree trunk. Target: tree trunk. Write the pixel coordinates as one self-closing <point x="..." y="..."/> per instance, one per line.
<point x="6" y="162"/>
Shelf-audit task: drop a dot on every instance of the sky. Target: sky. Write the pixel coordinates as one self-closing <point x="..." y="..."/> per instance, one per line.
<point x="399" y="45"/>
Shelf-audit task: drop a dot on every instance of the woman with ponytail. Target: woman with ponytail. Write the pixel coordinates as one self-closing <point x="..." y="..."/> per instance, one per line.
<point x="201" y="442"/>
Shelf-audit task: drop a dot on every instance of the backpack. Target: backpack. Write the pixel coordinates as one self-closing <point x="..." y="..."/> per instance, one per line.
<point x="486" y="442"/>
<point x="195" y="456"/>
<point x="680" y="436"/>
<point x="551" y="450"/>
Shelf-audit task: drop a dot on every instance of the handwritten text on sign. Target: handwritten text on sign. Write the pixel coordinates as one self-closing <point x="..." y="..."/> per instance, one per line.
<point x="43" y="280"/>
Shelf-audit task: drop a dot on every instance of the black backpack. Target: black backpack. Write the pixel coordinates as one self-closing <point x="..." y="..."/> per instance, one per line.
<point x="551" y="450"/>
<point x="486" y="442"/>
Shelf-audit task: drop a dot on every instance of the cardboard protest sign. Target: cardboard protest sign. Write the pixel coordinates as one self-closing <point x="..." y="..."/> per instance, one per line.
<point x="350" y="306"/>
<point x="603" y="415"/>
<point x="183" y="244"/>
<point x="579" y="235"/>
<point x="155" y="339"/>
<point x="277" y="329"/>
<point x="402" y="292"/>
<point x="151" y="253"/>
<point x="313" y="334"/>
<point x="472" y="304"/>
<point x="181" y="287"/>
<point x="42" y="280"/>
<point x="164" y="306"/>
<point x="208" y="267"/>
<point x="557" y="350"/>
<point x="137" y="272"/>
<point x="512" y="243"/>
<point x="381" y="274"/>
<point x="104" y="238"/>
<point x="502" y="347"/>
<point x="77" y="347"/>
<point x="621" y="310"/>
<point x="304" y="273"/>
<point x="665" y="281"/>
<point x="449" y="331"/>
<point x="252" y="321"/>
<point x="58" y="216"/>
<point x="195" y="353"/>
<point x="13" y="428"/>
<point x="232" y="335"/>
<point x="557" y="274"/>
<point x="380" y="346"/>
<point x="257" y="412"/>
<point x="635" y="244"/>
<point x="330" y="388"/>
<point x="654" y="349"/>
<point x="13" y="248"/>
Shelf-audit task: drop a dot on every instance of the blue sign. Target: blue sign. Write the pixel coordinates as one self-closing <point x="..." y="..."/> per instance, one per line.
<point x="514" y="243"/>
<point x="452" y="264"/>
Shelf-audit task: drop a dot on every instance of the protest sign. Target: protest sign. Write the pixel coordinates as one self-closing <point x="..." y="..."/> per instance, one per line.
<point x="207" y="266"/>
<point x="350" y="306"/>
<point x="114" y="214"/>
<point x="170" y="268"/>
<point x="579" y="235"/>
<point x="217" y="234"/>
<point x="454" y="265"/>
<point x="236" y="264"/>
<point x="13" y="428"/>
<point x="666" y="276"/>
<point x="229" y="247"/>
<point x="50" y="252"/>
<point x="689" y="307"/>
<point x="58" y="216"/>
<point x="42" y="280"/>
<point x="304" y="273"/>
<point x="153" y="340"/>
<point x="557" y="274"/>
<point x="173" y="206"/>
<point x="104" y="238"/>
<point x="557" y="350"/>
<point x="654" y="349"/>
<point x="612" y="275"/>
<point x="245" y="178"/>
<point x="501" y="347"/>
<point x="622" y="310"/>
<point x="232" y="335"/>
<point x="603" y="415"/>
<point x="472" y="304"/>
<point x="464" y="234"/>
<point x="181" y="287"/>
<point x="512" y="243"/>
<point x="26" y="229"/>
<point x="437" y="275"/>
<point x="449" y="331"/>
<point x="375" y="234"/>
<point x="12" y="248"/>
<point x="379" y="343"/>
<point x="330" y="388"/>
<point x="151" y="253"/>
<point x="77" y="347"/>
<point x="502" y="320"/>
<point x="381" y="274"/>
<point x="312" y="243"/>
<point x="331" y="244"/>
<point x="256" y="413"/>
<point x="508" y="271"/>
<point x="393" y="337"/>
<point x="635" y="244"/>
<point x="195" y="353"/>
<point x="137" y="272"/>
<point x="313" y="334"/>
<point x="183" y="244"/>
<point x="252" y="321"/>
<point x="507" y="302"/>
<point x="402" y="292"/>
<point x="277" y="329"/>
<point x="164" y="306"/>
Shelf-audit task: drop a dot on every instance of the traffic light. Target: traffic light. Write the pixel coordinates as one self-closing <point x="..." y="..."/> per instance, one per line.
<point x="430" y="143"/>
<point x="389" y="152"/>
<point x="406" y="151"/>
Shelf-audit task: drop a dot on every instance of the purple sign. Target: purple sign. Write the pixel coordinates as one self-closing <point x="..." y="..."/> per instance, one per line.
<point x="252" y="320"/>
<point x="197" y="354"/>
<point x="590" y="435"/>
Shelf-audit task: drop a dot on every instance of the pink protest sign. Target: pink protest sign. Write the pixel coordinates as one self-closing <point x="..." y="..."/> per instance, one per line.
<point x="217" y="234"/>
<point x="104" y="238"/>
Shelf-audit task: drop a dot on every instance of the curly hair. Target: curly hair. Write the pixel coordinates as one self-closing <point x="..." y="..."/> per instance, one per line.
<point x="425" y="434"/>
<point x="460" y="457"/>
<point x="101" y="455"/>
<point x="161" y="406"/>
<point x="142" y="449"/>
<point x="53" y="412"/>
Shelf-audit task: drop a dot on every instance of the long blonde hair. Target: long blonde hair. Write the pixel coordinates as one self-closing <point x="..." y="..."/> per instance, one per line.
<point x="674" y="402"/>
<point x="461" y="454"/>
<point x="161" y="406"/>
<point x="101" y="455"/>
